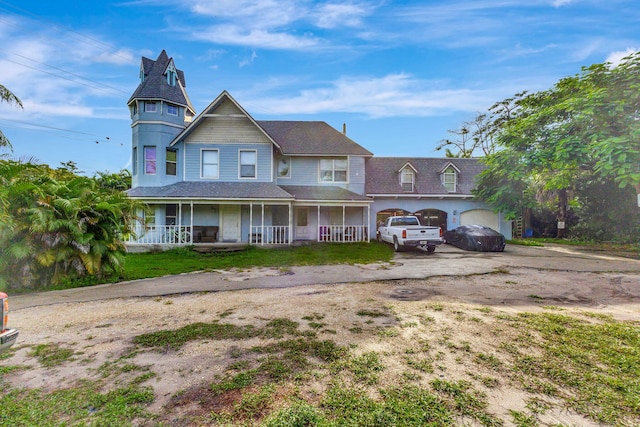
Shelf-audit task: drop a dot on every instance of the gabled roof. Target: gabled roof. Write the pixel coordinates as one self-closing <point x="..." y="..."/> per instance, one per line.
<point x="408" y="165"/>
<point x="155" y="87"/>
<point x="382" y="175"/>
<point x="311" y="139"/>
<point x="211" y="108"/>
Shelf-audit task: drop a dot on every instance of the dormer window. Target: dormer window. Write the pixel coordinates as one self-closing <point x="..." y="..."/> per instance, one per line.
<point x="407" y="179"/>
<point x="450" y="179"/>
<point x="171" y="74"/>
<point x="142" y="76"/>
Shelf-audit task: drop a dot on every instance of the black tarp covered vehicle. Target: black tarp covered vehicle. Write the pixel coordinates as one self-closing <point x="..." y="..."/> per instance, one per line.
<point x="475" y="238"/>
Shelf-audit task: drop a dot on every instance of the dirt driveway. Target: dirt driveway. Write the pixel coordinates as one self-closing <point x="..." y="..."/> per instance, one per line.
<point x="99" y="323"/>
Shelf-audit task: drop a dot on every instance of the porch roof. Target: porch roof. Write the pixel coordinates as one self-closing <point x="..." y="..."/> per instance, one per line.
<point x="212" y="191"/>
<point x="324" y="194"/>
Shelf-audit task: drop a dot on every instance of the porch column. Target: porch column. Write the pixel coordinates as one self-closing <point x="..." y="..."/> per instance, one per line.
<point x="179" y="234"/>
<point x="290" y="223"/>
<point x="343" y="216"/>
<point x="318" y="226"/>
<point x="191" y="222"/>
<point x="262" y="226"/>
<point x="369" y="224"/>
<point x="250" y="222"/>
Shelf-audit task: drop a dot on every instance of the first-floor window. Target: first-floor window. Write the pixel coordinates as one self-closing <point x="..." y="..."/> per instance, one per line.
<point x="248" y="161"/>
<point x="171" y="215"/>
<point x="150" y="160"/>
<point x="209" y="164"/>
<point x="171" y="161"/>
<point x="333" y="170"/>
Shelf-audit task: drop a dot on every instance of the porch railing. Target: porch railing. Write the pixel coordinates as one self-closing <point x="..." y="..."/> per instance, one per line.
<point x="343" y="233"/>
<point x="269" y="235"/>
<point x="163" y="234"/>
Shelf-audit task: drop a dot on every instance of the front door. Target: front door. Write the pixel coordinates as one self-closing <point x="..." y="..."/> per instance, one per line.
<point x="230" y="223"/>
<point x="302" y="223"/>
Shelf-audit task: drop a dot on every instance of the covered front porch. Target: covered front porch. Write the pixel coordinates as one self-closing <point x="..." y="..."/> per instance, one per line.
<point x="287" y="215"/>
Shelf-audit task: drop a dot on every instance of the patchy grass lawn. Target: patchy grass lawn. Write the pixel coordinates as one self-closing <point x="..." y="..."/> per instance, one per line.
<point x="372" y="363"/>
<point x="186" y="260"/>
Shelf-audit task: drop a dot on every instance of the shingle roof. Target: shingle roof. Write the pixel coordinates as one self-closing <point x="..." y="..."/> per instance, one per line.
<point x="326" y="194"/>
<point x="213" y="190"/>
<point x="383" y="175"/>
<point x="311" y="138"/>
<point x="155" y="84"/>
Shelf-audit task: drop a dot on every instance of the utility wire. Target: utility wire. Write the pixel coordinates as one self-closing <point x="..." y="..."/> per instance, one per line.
<point x="60" y="28"/>
<point x="112" y="88"/>
<point x="44" y="128"/>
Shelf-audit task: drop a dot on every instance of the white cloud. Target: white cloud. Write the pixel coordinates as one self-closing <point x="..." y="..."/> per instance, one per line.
<point x="254" y="37"/>
<point x="615" y="58"/>
<point x="560" y="3"/>
<point x="388" y="96"/>
<point x="333" y="15"/>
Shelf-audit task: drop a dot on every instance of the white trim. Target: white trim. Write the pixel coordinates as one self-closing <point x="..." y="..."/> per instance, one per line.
<point x="156" y="122"/>
<point x="248" y="150"/>
<point x="201" y="164"/>
<point x="333" y="169"/>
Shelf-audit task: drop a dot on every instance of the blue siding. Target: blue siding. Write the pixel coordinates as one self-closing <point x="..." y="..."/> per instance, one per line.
<point x="305" y="171"/>
<point x="229" y="161"/>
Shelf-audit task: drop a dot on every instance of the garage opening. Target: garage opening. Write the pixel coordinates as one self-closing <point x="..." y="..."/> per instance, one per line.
<point x="382" y="216"/>
<point x="434" y="217"/>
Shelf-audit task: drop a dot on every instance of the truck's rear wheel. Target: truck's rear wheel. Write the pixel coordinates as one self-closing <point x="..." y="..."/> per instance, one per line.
<point x="396" y="245"/>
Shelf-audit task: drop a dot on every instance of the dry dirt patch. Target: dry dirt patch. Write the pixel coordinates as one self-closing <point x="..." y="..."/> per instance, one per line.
<point x="454" y="317"/>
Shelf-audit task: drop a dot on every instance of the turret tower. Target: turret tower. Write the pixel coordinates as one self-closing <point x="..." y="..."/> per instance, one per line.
<point x="160" y="109"/>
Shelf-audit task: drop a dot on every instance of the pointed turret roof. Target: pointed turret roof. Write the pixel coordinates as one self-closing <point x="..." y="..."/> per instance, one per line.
<point x="154" y="85"/>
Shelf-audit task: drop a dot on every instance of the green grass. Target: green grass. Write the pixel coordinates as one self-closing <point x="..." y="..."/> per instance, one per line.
<point x="185" y="260"/>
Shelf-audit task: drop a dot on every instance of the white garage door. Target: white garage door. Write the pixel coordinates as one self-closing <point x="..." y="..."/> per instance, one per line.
<point x="480" y="217"/>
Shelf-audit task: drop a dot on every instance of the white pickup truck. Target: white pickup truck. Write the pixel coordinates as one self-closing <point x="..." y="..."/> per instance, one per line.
<point x="406" y="232"/>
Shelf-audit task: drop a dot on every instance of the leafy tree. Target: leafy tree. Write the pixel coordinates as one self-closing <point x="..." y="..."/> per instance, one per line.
<point x="587" y="125"/>
<point x="474" y="135"/>
<point x="116" y="181"/>
<point x="56" y="225"/>
<point x="7" y="96"/>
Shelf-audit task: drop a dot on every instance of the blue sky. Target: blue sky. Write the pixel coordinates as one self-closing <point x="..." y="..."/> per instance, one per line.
<point x="400" y="74"/>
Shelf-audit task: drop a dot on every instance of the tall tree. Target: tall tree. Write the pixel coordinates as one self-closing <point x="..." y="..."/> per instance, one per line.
<point x="7" y="96"/>
<point x="586" y="124"/>
<point x="475" y="137"/>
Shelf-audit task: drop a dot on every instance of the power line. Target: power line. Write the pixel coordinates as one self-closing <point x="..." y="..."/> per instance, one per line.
<point x="56" y="26"/>
<point x="64" y="71"/>
<point x="21" y="124"/>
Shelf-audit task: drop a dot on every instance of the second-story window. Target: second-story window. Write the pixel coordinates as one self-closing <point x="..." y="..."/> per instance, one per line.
<point x="150" y="107"/>
<point x="210" y="161"/>
<point x="248" y="162"/>
<point x="449" y="179"/>
<point x="171" y="161"/>
<point x="150" y="160"/>
<point x="284" y="167"/>
<point x="406" y="180"/>
<point x="333" y="170"/>
<point x="172" y="109"/>
<point x="134" y="161"/>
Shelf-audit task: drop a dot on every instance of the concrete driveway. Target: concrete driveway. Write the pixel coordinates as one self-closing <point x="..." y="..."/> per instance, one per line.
<point x="446" y="261"/>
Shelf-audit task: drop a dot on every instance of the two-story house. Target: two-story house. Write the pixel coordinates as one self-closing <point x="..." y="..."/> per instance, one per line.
<point x="222" y="176"/>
